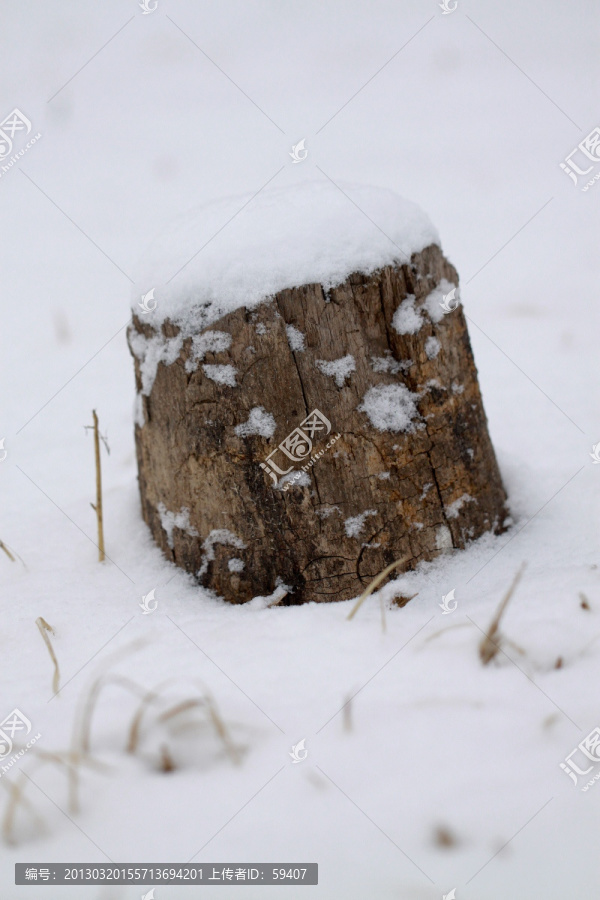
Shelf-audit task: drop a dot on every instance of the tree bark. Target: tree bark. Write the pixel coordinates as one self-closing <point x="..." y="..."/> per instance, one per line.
<point x="372" y="496"/>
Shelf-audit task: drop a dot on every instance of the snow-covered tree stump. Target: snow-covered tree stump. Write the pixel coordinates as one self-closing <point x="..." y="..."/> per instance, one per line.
<point x="308" y="432"/>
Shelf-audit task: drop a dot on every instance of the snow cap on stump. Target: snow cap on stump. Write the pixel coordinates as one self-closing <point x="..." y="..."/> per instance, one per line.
<point x="308" y="409"/>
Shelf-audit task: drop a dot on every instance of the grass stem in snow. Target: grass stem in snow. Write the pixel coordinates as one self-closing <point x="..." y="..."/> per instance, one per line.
<point x="44" y="628"/>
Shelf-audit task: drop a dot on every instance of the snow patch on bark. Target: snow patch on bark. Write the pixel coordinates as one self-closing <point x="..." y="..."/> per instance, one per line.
<point x="170" y="521"/>
<point x="340" y="369"/>
<point x="407" y="320"/>
<point x="355" y="524"/>
<point x="150" y="352"/>
<point x="221" y="374"/>
<point x="390" y="407"/>
<point x="295" y="338"/>
<point x="453" y="509"/>
<point x="207" y="342"/>
<point x="432" y="347"/>
<point x="218" y="536"/>
<point x="259" y="422"/>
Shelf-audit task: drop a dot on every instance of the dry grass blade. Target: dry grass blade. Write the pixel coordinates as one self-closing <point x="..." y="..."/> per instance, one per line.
<point x="148" y="698"/>
<point x="98" y="507"/>
<point x="70" y="762"/>
<point x="375" y="583"/>
<point x="83" y="740"/>
<point x="436" y="634"/>
<point x="7" y="551"/>
<point x="181" y="707"/>
<point x="166" y="760"/>
<point x="17" y="797"/>
<point x="44" y="629"/>
<point x="490" y="643"/>
<point x="204" y="700"/>
<point x="222" y="731"/>
<point x="347" y="714"/>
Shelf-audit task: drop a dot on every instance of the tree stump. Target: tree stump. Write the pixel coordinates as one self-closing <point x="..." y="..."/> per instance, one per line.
<point x="310" y="441"/>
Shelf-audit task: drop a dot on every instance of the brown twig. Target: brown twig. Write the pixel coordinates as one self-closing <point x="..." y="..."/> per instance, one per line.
<point x="44" y="628"/>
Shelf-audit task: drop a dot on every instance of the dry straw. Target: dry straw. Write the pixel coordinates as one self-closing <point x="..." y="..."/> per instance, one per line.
<point x="374" y="584"/>
<point x="44" y="629"/>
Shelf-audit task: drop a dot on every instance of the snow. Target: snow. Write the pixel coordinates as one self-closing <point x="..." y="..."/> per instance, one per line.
<point x="295" y="338"/>
<point x="221" y="374"/>
<point x="287" y="236"/>
<point x="390" y="407"/>
<point x="339" y="369"/>
<point x="443" y="538"/>
<point x="259" y="422"/>
<point x="426" y="488"/>
<point x="152" y="351"/>
<point x="207" y="342"/>
<point x="387" y="363"/>
<point x="325" y="511"/>
<point x="138" y="411"/>
<point x="355" y="524"/>
<point x="218" y="536"/>
<point x="294" y="478"/>
<point x="406" y="319"/>
<point x="431" y="738"/>
<point x="432" y="347"/>
<point x="170" y="521"/>
<point x="452" y="509"/>
<point x="433" y="302"/>
<point x="236" y="565"/>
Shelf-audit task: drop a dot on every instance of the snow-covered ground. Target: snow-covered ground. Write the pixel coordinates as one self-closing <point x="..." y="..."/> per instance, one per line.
<point x="440" y="773"/>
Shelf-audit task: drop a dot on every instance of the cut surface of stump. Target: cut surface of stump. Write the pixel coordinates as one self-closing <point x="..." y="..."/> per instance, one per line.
<point x="300" y="442"/>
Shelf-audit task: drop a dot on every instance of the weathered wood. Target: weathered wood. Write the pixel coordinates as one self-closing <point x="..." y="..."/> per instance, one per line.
<point x="210" y="505"/>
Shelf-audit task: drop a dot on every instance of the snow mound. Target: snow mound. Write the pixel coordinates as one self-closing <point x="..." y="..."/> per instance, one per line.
<point x="259" y="422"/>
<point x="390" y="407"/>
<point x="221" y="374"/>
<point x="340" y="369"/>
<point x="406" y="318"/>
<point x="295" y="338"/>
<point x="240" y="250"/>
